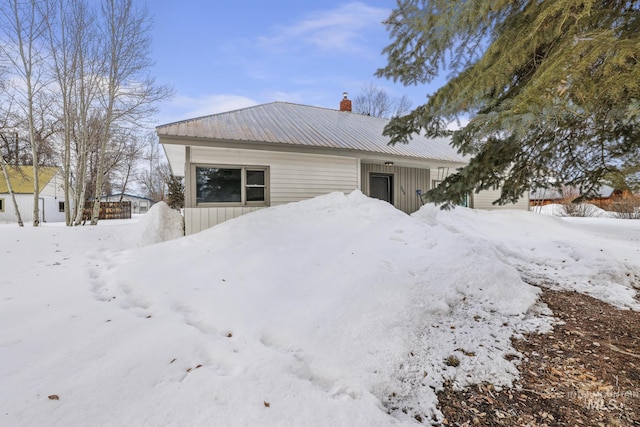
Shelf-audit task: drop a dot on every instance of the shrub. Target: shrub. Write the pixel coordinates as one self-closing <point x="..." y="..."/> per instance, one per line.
<point x="627" y="208"/>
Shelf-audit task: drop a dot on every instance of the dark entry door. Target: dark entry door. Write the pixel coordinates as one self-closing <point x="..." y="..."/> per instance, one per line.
<point x="381" y="186"/>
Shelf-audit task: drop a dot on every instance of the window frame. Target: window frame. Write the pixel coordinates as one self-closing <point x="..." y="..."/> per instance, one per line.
<point x="1" y="204"/>
<point x="243" y="186"/>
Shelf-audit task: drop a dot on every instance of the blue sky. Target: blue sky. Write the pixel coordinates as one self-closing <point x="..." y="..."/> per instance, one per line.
<point x="221" y="55"/>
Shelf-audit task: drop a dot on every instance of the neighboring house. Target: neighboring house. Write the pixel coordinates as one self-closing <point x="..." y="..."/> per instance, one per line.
<point x="546" y="196"/>
<point x="51" y="197"/>
<point x="139" y="205"/>
<point x="270" y="154"/>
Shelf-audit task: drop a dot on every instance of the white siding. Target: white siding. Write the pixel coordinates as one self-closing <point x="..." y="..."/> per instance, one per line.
<point x="25" y="205"/>
<point x="49" y="209"/>
<point x="485" y="198"/>
<point x="292" y="177"/>
<point x="54" y="188"/>
<point x="198" y="219"/>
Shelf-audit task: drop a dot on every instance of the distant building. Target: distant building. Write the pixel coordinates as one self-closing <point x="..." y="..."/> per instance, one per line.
<point x="139" y="205"/>
<point x="546" y="196"/>
<point x="51" y="196"/>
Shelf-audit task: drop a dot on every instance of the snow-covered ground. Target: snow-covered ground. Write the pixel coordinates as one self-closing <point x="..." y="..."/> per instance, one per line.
<point x="337" y="311"/>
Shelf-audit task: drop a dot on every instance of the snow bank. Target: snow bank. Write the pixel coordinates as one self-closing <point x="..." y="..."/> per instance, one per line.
<point x="581" y="210"/>
<point x="553" y="209"/>
<point x="339" y="310"/>
<point x="159" y="224"/>
<point x="333" y="304"/>
<point x="603" y="262"/>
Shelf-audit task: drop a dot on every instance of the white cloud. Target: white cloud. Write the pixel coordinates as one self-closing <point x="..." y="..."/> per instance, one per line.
<point x="340" y="29"/>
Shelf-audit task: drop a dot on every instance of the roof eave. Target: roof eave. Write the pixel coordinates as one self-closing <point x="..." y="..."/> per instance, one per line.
<point x="343" y="152"/>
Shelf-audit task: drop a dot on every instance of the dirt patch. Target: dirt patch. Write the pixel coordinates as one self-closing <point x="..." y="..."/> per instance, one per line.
<point x="585" y="373"/>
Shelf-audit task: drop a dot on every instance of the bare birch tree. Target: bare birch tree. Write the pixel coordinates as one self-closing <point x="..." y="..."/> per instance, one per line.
<point x="129" y="93"/>
<point x="81" y="77"/>
<point x="133" y="146"/>
<point x="155" y="177"/>
<point x="22" y="28"/>
<point x="3" y="165"/>
<point x="76" y="64"/>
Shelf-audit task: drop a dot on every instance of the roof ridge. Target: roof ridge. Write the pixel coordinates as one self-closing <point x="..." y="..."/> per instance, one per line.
<point x="222" y="113"/>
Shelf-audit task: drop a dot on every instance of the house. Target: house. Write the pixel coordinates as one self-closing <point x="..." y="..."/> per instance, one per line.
<point x="546" y="196"/>
<point x="51" y="194"/>
<point x="243" y="160"/>
<point x="139" y="205"/>
<point x="605" y="197"/>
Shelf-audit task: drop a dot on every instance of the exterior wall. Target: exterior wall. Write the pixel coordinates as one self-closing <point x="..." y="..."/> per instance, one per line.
<point x="406" y="181"/>
<point x="484" y="199"/>
<point x="50" y="196"/>
<point x="49" y="208"/>
<point x="198" y="219"/>
<point x="54" y="188"/>
<point x="292" y="177"/>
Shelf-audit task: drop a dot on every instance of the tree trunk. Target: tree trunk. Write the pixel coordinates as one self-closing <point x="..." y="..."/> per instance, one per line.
<point x="11" y="193"/>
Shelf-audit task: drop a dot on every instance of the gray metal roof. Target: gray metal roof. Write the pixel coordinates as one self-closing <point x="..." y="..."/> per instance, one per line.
<point x="569" y="192"/>
<point x="302" y="125"/>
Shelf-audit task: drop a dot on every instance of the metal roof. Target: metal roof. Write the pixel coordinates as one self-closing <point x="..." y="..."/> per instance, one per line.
<point x="568" y="192"/>
<point x="21" y="178"/>
<point x="285" y="123"/>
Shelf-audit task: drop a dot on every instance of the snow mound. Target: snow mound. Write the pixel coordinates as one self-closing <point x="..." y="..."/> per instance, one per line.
<point x="553" y="209"/>
<point x="337" y="304"/>
<point x="340" y="311"/>
<point x="555" y="252"/>
<point x="159" y="224"/>
<point x="581" y="210"/>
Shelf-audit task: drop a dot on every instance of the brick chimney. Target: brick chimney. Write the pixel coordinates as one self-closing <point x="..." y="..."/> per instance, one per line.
<point x="345" y="104"/>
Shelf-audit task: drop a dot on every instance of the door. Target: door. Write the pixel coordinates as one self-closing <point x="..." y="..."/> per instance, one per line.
<point x="381" y="186"/>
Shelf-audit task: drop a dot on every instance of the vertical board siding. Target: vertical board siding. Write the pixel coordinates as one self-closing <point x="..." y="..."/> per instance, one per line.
<point x="292" y="177"/>
<point x="406" y="181"/>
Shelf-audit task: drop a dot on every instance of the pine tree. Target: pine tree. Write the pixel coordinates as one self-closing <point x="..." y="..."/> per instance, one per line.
<point x="175" y="196"/>
<point x="551" y="89"/>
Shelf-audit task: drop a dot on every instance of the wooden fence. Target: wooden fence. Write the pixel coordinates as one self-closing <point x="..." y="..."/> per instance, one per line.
<point x="109" y="210"/>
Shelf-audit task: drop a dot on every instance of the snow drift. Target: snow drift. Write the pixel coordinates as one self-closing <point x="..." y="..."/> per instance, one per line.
<point x="339" y="310"/>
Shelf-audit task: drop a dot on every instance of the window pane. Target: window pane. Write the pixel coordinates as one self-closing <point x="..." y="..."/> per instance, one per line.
<point x="255" y="194"/>
<point x="255" y="177"/>
<point x="218" y="185"/>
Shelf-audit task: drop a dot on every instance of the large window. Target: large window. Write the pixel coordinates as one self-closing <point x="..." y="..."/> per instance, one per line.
<point x="228" y="185"/>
